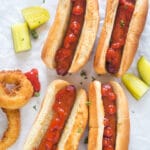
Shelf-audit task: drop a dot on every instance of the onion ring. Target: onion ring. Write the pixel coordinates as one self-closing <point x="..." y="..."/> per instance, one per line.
<point x="11" y="134"/>
<point x="15" y="89"/>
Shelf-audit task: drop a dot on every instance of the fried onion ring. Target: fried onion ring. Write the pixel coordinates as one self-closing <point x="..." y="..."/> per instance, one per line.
<point x="11" y="134"/>
<point x="15" y="89"/>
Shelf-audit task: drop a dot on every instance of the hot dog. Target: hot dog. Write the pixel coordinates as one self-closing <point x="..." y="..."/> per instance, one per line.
<point x="118" y="43"/>
<point x="62" y="119"/>
<point x="109" y="124"/>
<point x="72" y="35"/>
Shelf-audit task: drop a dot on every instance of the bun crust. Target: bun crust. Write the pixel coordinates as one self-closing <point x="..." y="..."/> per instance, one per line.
<point x="59" y="27"/>
<point x="56" y="33"/>
<point x="135" y="29"/>
<point x="123" y="120"/>
<point x="96" y="117"/>
<point x="45" y="115"/>
<point x="103" y="44"/>
<point x="123" y="123"/>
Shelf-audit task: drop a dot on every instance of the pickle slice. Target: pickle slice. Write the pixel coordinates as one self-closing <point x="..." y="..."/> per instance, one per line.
<point x="35" y="16"/>
<point x="135" y="86"/>
<point x="21" y="37"/>
<point x="144" y="69"/>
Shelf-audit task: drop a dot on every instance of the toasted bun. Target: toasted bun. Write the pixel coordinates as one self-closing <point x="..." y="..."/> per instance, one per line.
<point x="58" y="30"/>
<point x="135" y="29"/>
<point x="56" y="33"/>
<point x="87" y="37"/>
<point x="96" y="117"/>
<point x="70" y="136"/>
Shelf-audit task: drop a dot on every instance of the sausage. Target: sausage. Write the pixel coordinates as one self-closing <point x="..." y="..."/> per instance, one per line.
<point x="62" y="106"/>
<point x="110" y="118"/>
<point x="64" y="55"/>
<point x="119" y="34"/>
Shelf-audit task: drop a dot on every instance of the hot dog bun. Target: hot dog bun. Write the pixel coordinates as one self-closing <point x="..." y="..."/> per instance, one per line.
<point x="58" y="29"/>
<point x="78" y="119"/>
<point x="135" y="29"/>
<point x="96" y="117"/>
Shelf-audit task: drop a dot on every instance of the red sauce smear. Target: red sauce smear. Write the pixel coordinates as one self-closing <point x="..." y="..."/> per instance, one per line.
<point x="33" y="77"/>
<point x="64" y="55"/>
<point x="62" y="106"/>
<point x="119" y="34"/>
<point x="110" y="118"/>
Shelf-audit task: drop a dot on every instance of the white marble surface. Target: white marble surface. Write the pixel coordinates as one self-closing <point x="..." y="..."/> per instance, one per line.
<point x="10" y="13"/>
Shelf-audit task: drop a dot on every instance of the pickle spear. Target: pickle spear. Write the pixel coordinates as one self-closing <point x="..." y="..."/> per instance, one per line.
<point x="35" y="16"/>
<point x="144" y="69"/>
<point x="21" y="37"/>
<point x="135" y="86"/>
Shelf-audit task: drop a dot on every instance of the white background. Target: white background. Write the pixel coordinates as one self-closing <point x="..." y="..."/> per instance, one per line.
<point x="10" y="13"/>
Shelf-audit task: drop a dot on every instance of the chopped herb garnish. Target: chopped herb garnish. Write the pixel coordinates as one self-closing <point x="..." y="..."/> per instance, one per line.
<point x="86" y="140"/>
<point x="93" y="78"/>
<point x="79" y="130"/>
<point x="22" y="39"/>
<point x="88" y="103"/>
<point x="34" y="34"/>
<point x="34" y="107"/>
<point x="83" y="74"/>
<point x="36" y="94"/>
<point x="81" y="83"/>
<point x="122" y="23"/>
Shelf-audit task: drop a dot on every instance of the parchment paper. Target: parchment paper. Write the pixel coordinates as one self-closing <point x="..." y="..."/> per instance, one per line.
<point x="10" y="13"/>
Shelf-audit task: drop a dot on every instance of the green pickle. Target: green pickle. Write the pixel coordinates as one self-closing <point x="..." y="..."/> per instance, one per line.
<point x="35" y="16"/>
<point x="34" y="34"/>
<point x="144" y="69"/>
<point x="135" y="86"/>
<point x="21" y="37"/>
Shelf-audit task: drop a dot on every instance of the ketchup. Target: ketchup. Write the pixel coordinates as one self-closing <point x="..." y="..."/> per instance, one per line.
<point x="110" y="118"/>
<point x="32" y="76"/>
<point x="65" y="53"/>
<point x="62" y="106"/>
<point x="119" y="34"/>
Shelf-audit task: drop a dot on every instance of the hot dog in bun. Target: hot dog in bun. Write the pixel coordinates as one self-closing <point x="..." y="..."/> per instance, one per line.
<point x="72" y="35"/>
<point x="118" y="43"/>
<point x="62" y="119"/>
<point x="109" y="123"/>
